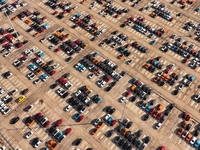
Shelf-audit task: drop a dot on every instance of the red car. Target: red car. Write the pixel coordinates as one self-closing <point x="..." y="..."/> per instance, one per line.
<point x="113" y="122"/>
<point x="80" y="118"/>
<point x="108" y="79"/>
<point x="44" y="18"/>
<point x="117" y="16"/>
<point x="162" y="148"/>
<point x="3" y="32"/>
<point x="62" y="80"/>
<point x="19" y="45"/>
<point x="55" y="13"/>
<point x="38" y="115"/>
<point x="167" y="70"/>
<point x="68" y="130"/>
<point x="36" y="58"/>
<point x="184" y="60"/>
<point x="186" y="116"/>
<point x="152" y="110"/>
<point x="159" y="115"/>
<point x="77" y="41"/>
<point x="127" y="93"/>
<point x="128" y="45"/>
<point x="64" y="12"/>
<point x="47" y="123"/>
<point x="137" y="82"/>
<point x="52" y="72"/>
<point x="58" y="122"/>
<point x="61" y="4"/>
<point x="57" y="49"/>
<point x="3" y="41"/>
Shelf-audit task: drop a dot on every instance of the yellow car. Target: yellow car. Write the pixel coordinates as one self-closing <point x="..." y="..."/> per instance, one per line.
<point x="21" y="99"/>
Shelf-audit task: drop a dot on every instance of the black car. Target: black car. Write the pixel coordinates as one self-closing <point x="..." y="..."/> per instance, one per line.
<point x="7" y="74"/>
<point x="24" y="91"/>
<point x="14" y="120"/>
<point x="121" y="142"/>
<point x="129" y="124"/>
<point x="116" y="139"/>
<point x="77" y="141"/>
<point x="147" y="139"/>
<point x="127" y="134"/>
<point x="109" y="133"/>
<point x="139" y="133"/>
<point x="8" y="100"/>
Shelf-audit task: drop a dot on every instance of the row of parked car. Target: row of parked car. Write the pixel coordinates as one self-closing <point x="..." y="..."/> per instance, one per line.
<point x="85" y="22"/>
<point x="160" y="10"/>
<point x="184" y="50"/>
<point x="111" y="10"/>
<point x="183" y="131"/>
<point x="10" y="41"/>
<point x="10" y="8"/>
<point x="127" y="140"/>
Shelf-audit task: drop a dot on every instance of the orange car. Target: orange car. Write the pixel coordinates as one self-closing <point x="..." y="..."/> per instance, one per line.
<point x="67" y="35"/>
<point x="28" y="21"/>
<point x="124" y="131"/>
<point x="94" y="131"/>
<point x="52" y="145"/>
<point x="180" y="131"/>
<point x="83" y="1"/>
<point x="156" y="79"/>
<point x="147" y="65"/>
<point x="133" y="87"/>
<point x="160" y="106"/>
<point x="38" y="72"/>
<point x="30" y="122"/>
<point x="188" y="137"/>
<point x="14" y="18"/>
<point x="36" y="34"/>
<point x="184" y="124"/>
<point x="100" y="124"/>
<point x="155" y="113"/>
<point x="120" y="56"/>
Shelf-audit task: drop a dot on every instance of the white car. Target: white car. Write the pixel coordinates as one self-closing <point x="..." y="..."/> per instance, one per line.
<point x="29" y="134"/>
<point x="122" y="99"/>
<point x="6" y="98"/>
<point x="31" y="75"/>
<point x="68" y="108"/>
<point x="37" y="81"/>
<point x="90" y="76"/>
<point x="15" y="63"/>
<point x="3" y="147"/>
<point x="77" y="93"/>
<point x="6" y="54"/>
<point x="158" y="125"/>
<point x="193" y="140"/>
<point x="37" y="144"/>
<point x="43" y="121"/>
<point x="1" y="91"/>
<point x="107" y="116"/>
<point x="14" y="91"/>
<point x="77" y="65"/>
<point x="97" y="121"/>
<point x="34" y="49"/>
<point x="56" y="66"/>
<point x="184" y="134"/>
<point x="28" y="52"/>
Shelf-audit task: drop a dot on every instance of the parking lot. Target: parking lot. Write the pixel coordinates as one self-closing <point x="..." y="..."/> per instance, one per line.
<point x="91" y="74"/>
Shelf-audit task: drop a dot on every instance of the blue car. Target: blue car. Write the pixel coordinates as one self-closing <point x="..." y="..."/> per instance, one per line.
<point x="98" y="100"/>
<point x="134" y="80"/>
<point x="153" y="42"/>
<point x="148" y="7"/>
<point x="59" y="134"/>
<point x="31" y="66"/>
<point x="96" y="54"/>
<point x="148" y="108"/>
<point x="75" y="117"/>
<point x="197" y="143"/>
<point x="41" y="54"/>
<point x="78" y="15"/>
<point x="150" y="35"/>
<point x="110" y="119"/>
